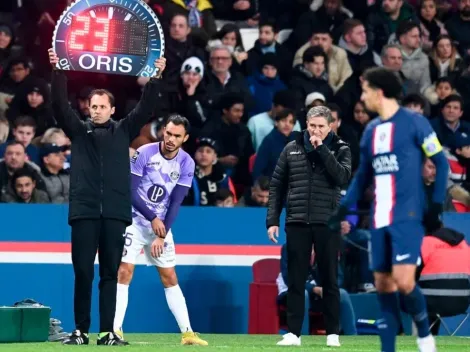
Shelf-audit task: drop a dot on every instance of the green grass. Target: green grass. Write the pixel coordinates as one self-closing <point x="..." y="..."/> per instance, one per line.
<point x="171" y="343"/>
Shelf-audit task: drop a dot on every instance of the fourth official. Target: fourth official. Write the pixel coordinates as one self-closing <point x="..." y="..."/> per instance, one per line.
<point x="309" y="176"/>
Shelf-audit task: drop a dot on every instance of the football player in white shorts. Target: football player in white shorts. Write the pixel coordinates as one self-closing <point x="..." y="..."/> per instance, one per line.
<point x="161" y="176"/>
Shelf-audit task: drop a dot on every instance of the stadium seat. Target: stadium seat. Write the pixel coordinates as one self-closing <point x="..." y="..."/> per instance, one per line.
<point x="262" y="316"/>
<point x="284" y="35"/>
<point x="441" y="319"/>
<point x="249" y="37"/>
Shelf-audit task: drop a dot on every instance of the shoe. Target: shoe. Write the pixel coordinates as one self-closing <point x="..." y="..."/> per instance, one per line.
<point x="427" y="344"/>
<point x="76" y="338"/>
<point x="119" y="333"/>
<point x="289" y="340"/>
<point x="333" y="341"/>
<point x="111" y="339"/>
<point x="192" y="338"/>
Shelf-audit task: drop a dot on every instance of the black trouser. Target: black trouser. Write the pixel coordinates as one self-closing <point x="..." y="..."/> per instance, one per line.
<point x="299" y="248"/>
<point x="88" y="236"/>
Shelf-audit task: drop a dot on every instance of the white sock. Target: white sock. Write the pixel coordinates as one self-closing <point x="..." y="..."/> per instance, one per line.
<point x="122" y="297"/>
<point x="177" y="304"/>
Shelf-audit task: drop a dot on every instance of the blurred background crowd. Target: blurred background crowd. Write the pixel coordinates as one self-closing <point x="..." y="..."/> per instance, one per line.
<point x="244" y="72"/>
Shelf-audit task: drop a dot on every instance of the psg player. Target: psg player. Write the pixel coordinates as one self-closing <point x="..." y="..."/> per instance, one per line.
<point x="161" y="176"/>
<point x="393" y="149"/>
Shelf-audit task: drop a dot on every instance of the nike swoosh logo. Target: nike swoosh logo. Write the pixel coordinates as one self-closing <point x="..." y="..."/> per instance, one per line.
<point x="400" y="258"/>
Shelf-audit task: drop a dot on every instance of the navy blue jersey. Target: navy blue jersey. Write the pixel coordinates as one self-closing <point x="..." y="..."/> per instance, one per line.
<point x="392" y="155"/>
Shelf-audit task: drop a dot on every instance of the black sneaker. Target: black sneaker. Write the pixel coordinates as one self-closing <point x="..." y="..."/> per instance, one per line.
<point x="111" y="339"/>
<point x="77" y="338"/>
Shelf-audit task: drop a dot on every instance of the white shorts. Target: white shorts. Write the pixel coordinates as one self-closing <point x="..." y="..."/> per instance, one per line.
<point x="138" y="238"/>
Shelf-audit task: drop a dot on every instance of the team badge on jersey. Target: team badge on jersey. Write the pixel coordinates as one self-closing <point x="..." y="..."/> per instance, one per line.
<point x="174" y="175"/>
<point x="135" y="156"/>
<point x="431" y="145"/>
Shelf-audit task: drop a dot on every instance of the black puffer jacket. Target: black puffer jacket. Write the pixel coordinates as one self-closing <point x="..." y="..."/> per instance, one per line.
<point x="310" y="183"/>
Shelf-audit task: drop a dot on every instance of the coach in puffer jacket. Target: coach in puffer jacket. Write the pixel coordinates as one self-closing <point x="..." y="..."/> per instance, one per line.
<point x="310" y="180"/>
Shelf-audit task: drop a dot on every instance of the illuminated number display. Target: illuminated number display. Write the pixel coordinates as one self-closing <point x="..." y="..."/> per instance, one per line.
<point x="109" y="36"/>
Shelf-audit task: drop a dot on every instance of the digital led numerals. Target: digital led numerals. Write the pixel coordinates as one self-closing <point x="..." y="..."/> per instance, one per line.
<point x="79" y="36"/>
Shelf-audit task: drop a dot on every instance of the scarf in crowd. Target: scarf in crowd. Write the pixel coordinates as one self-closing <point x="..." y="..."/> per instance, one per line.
<point x="195" y="18"/>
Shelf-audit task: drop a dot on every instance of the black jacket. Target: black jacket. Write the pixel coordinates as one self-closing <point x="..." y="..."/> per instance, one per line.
<point x="100" y="171"/>
<point x="310" y="183"/>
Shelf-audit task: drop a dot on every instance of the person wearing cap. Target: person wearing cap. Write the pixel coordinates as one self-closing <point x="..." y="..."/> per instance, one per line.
<point x="23" y="183"/>
<point x="265" y="83"/>
<point x="33" y="100"/>
<point x="262" y="124"/>
<point x="209" y="175"/>
<point x="311" y="76"/>
<point x="100" y="193"/>
<point x="56" y="179"/>
<point x="314" y="99"/>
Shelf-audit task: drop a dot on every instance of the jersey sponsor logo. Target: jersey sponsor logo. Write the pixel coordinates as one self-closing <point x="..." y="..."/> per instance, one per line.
<point x="174" y="175"/>
<point x="431" y="145"/>
<point x="385" y="164"/>
<point x="135" y="156"/>
<point x="156" y="193"/>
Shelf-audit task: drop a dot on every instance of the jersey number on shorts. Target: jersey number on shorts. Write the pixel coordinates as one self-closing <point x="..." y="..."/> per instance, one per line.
<point x="128" y="239"/>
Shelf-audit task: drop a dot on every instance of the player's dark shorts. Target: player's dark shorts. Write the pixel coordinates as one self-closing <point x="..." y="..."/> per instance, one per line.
<point x="395" y="244"/>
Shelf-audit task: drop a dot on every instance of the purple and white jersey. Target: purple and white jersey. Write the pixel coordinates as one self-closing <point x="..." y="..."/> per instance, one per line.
<point x="159" y="178"/>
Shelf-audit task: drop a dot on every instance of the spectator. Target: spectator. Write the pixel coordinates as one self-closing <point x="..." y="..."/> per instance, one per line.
<point x="23" y="132"/>
<point x="414" y="102"/>
<point x="311" y="76"/>
<point x="18" y="75"/>
<point x="24" y="189"/>
<point x="241" y="11"/>
<point x="354" y="41"/>
<point x="178" y="47"/>
<point x="256" y="196"/>
<point x="383" y="22"/>
<point x="272" y="146"/>
<point x="429" y="177"/>
<point x="325" y="14"/>
<point x="200" y="17"/>
<point x="458" y="27"/>
<point x="219" y="80"/>
<point x="445" y="60"/>
<point x="459" y="159"/>
<point x="6" y="43"/>
<point x="209" y="175"/>
<point x="449" y="124"/>
<point x="415" y="65"/>
<point x="313" y="286"/>
<point x="314" y="99"/>
<point x="229" y="36"/>
<point x="267" y="43"/>
<point x="83" y="103"/>
<point x="442" y="88"/>
<point x="15" y="159"/>
<point x="262" y="124"/>
<point x="338" y="65"/>
<point x="35" y="101"/>
<point x="4" y="129"/>
<point x="345" y="132"/>
<point x="392" y="59"/>
<point x="430" y="27"/>
<point x="232" y="137"/>
<point x="265" y="83"/>
<point x="224" y="198"/>
<point x="361" y="117"/>
<point x="56" y="179"/>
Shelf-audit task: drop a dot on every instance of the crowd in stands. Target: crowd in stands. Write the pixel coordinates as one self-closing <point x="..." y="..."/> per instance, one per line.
<point x="244" y="103"/>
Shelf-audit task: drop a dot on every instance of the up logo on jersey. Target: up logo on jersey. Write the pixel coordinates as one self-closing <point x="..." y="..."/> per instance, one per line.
<point x="156" y="193"/>
<point x="385" y="164"/>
